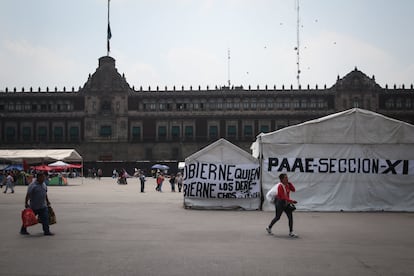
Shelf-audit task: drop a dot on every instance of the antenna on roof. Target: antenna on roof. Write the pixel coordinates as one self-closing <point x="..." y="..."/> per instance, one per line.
<point x="228" y="67"/>
<point x="297" y="48"/>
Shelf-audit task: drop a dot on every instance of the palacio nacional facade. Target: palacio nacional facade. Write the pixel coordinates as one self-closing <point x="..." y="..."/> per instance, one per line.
<point x="108" y="120"/>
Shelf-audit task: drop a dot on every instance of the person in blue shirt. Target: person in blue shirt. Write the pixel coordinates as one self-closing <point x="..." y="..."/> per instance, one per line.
<point x="37" y="200"/>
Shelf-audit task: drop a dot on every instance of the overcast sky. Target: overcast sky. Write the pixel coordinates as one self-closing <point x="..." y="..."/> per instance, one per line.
<point x="186" y="42"/>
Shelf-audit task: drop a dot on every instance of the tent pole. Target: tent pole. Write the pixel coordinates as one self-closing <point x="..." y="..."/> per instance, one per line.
<point x="261" y="172"/>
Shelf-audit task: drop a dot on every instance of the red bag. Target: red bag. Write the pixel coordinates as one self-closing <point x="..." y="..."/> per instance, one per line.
<point x="28" y="217"/>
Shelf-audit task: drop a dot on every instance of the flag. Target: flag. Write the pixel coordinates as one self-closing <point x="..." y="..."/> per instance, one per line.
<point x="109" y="32"/>
<point x="109" y="35"/>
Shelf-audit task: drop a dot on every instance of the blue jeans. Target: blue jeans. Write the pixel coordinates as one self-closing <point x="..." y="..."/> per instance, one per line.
<point x="43" y="214"/>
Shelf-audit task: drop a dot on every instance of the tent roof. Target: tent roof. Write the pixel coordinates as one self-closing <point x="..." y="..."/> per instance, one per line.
<point x="346" y="127"/>
<point x="39" y="155"/>
<point x="58" y="163"/>
<point x="222" y="150"/>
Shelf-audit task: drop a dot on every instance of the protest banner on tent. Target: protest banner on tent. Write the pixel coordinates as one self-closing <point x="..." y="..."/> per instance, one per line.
<point x="355" y="160"/>
<point x="222" y="176"/>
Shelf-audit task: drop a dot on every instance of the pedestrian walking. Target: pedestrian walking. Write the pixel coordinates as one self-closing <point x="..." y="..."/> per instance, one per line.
<point x="38" y="201"/>
<point x="283" y="203"/>
<point x="9" y="183"/>
<point x="142" y="180"/>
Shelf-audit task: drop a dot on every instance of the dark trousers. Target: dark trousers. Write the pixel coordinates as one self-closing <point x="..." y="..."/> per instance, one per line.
<point x="142" y="185"/>
<point x="280" y="207"/>
<point x="43" y="214"/>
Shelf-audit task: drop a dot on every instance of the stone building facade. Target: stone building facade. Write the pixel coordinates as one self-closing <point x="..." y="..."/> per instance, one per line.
<point x="108" y="120"/>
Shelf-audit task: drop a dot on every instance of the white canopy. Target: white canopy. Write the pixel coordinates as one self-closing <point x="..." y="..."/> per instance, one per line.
<point x="353" y="160"/>
<point x="58" y="163"/>
<point x="41" y="155"/>
<point x="222" y="176"/>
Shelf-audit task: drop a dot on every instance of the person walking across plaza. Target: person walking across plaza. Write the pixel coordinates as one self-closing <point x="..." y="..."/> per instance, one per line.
<point x="9" y="183"/>
<point x="282" y="201"/>
<point x="38" y="201"/>
<point x="179" y="181"/>
<point x="141" y="176"/>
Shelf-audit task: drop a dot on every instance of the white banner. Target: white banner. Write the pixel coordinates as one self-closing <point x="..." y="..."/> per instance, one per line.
<point x="333" y="177"/>
<point x="218" y="181"/>
<point x="340" y="165"/>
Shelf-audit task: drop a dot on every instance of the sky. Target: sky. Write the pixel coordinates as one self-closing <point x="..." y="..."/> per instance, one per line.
<point x="57" y="43"/>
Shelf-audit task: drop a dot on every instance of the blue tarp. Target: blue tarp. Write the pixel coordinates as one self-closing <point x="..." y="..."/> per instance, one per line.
<point x="14" y="167"/>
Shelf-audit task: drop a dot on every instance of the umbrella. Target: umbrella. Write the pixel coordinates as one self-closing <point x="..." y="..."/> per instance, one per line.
<point x="42" y="168"/>
<point x="160" y="167"/>
<point x="58" y="164"/>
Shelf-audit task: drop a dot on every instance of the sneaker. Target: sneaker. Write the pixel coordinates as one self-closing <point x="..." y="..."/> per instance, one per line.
<point x="269" y="230"/>
<point x="24" y="233"/>
<point x="49" y="234"/>
<point x="293" y="235"/>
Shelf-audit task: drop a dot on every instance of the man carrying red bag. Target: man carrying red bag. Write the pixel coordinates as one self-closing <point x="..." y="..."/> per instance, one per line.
<point x="39" y="202"/>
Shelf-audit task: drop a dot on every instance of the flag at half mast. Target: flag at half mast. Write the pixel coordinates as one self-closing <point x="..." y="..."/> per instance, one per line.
<point x="108" y="35"/>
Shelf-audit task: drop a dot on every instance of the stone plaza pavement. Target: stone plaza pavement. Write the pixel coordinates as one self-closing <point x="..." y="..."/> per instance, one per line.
<point x="108" y="229"/>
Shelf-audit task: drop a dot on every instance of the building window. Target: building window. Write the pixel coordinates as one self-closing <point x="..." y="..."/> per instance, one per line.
<point x="175" y="133"/>
<point x="303" y="104"/>
<point x="27" y="107"/>
<point x="105" y="131"/>
<point x="229" y="105"/>
<point x="313" y="103"/>
<point x="42" y="134"/>
<point x="10" y="107"/>
<point x="295" y="104"/>
<point x="262" y="105"/>
<point x="58" y="134"/>
<point x="74" y="133"/>
<point x="106" y="106"/>
<point x="269" y="105"/>
<point x="10" y="134"/>
<point x="389" y="104"/>
<point x="279" y="104"/>
<point x="136" y="133"/>
<point x="408" y="103"/>
<point x="321" y="103"/>
<point x="248" y="131"/>
<point x="231" y="131"/>
<point x="181" y="106"/>
<point x="264" y="128"/>
<point x="213" y="132"/>
<point x="26" y="134"/>
<point x="162" y="132"/>
<point x="253" y="104"/>
<point x="398" y="103"/>
<point x="189" y="132"/>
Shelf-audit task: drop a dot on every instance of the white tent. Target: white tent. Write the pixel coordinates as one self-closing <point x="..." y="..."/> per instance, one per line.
<point x="40" y="155"/>
<point x="222" y="176"/>
<point x="355" y="160"/>
<point x="58" y="163"/>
